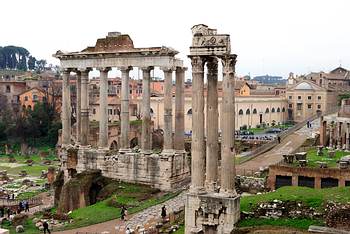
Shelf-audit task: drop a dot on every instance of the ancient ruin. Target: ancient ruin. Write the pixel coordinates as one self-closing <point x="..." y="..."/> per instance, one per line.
<point x="212" y="204"/>
<point x="166" y="170"/>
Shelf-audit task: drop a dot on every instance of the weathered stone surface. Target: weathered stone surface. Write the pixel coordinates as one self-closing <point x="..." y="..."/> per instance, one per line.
<point x="19" y="229"/>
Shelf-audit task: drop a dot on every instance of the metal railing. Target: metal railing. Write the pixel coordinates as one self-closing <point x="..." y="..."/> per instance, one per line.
<point x="14" y="202"/>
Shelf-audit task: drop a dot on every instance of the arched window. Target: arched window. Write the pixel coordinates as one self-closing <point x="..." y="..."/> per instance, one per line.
<point x="240" y="112"/>
<point x="283" y="110"/>
<point x="247" y="112"/>
<point x="278" y="109"/>
<point x="267" y="110"/>
<point x="273" y="110"/>
<point x="151" y="111"/>
<point x="255" y="111"/>
<point x="189" y="112"/>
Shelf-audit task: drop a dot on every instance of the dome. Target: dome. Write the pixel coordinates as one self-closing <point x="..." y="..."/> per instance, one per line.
<point x="303" y="85"/>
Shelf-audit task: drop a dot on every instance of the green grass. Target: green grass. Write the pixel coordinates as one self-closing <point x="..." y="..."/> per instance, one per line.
<point x="315" y="198"/>
<point x="294" y="223"/>
<point x="313" y="158"/>
<point x="102" y="212"/>
<point x="29" y="227"/>
<point x="261" y="129"/>
<point x="181" y="230"/>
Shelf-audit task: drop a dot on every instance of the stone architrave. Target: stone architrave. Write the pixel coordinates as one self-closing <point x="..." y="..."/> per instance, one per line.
<point x="212" y="126"/>
<point x="198" y="144"/>
<point x="125" y="123"/>
<point x="228" y="127"/>
<point x="103" y="124"/>
<point x="84" y="128"/>
<point x="66" y="110"/>
<point x="146" y="147"/>
<point x="168" y="147"/>
<point x="179" y="141"/>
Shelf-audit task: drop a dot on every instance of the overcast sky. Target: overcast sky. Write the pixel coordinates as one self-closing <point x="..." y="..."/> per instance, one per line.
<point x="269" y="36"/>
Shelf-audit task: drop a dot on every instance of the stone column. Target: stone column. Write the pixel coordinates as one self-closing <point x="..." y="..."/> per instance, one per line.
<point x="227" y="127"/>
<point x="323" y="130"/>
<point x="168" y="116"/>
<point x="347" y="136"/>
<point x="331" y="136"/>
<point x="103" y="126"/>
<point x="78" y="108"/>
<point x="66" y="110"/>
<point x="198" y="144"/>
<point x="212" y="126"/>
<point x="339" y="135"/>
<point x="84" y="130"/>
<point x="146" y="146"/>
<point x="179" y="141"/>
<point x="125" y="123"/>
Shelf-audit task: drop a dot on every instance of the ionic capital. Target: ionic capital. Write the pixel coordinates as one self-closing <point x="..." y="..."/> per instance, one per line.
<point x="228" y="63"/>
<point x="167" y="69"/>
<point x="197" y="63"/>
<point x="125" y="68"/>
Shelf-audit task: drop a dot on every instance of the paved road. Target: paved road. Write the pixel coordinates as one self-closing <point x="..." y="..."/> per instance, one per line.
<point x="288" y="145"/>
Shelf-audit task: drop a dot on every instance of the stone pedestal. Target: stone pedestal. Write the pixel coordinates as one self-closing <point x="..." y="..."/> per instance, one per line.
<point x="211" y="213"/>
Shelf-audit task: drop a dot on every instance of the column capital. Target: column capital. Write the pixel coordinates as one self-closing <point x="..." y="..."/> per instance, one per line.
<point x="228" y="63"/>
<point x="66" y="71"/>
<point x="183" y="69"/>
<point x="104" y="69"/>
<point x="125" y="68"/>
<point x="147" y="68"/>
<point x="167" y="69"/>
<point x="197" y="63"/>
<point x="85" y="69"/>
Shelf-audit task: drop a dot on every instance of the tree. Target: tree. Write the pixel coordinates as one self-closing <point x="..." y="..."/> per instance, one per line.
<point x="31" y="63"/>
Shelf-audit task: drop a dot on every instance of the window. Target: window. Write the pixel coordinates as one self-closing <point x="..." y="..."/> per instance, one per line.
<point x="319" y="106"/>
<point x="94" y="111"/>
<point x="299" y="105"/>
<point x="240" y="112"/>
<point x="189" y="112"/>
<point x="255" y="111"/>
<point x="26" y="98"/>
<point x="290" y="97"/>
<point x="130" y="91"/>
<point x="247" y="112"/>
<point x="309" y="106"/>
<point x="284" y="110"/>
<point x="35" y="97"/>
<point x="299" y="97"/>
<point x="267" y="110"/>
<point x="115" y="112"/>
<point x="273" y="110"/>
<point x="308" y="97"/>
<point x="8" y="89"/>
<point x="278" y="110"/>
<point x="289" y="106"/>
<point x="110" y="111"/>
<point x="319" y="97"/>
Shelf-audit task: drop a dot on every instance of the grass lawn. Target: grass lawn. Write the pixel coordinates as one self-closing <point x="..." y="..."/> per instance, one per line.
<point x="315" y="198"/>
<point x="261" y="129"/>
<point x="29" y="227"/>
<point x="284" y="222"/>
<point x="313" y="159"/>
<point x="102" y="211"/>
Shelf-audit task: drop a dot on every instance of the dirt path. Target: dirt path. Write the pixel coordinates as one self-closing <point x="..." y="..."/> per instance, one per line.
<point x="288" y="145"/>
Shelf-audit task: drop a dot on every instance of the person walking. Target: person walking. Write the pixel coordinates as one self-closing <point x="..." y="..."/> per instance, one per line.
<point x="46" y="227"/>
<point x="122" y="213"/>
<point x="163" y="213"/>
<point x="26" y="206"/>
<point x="279" y="139"/>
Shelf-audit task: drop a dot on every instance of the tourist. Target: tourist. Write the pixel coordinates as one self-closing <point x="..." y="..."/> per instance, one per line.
<point x="163" y="213"/>
<point x="122" y="213"/>
<point x="128" y="231"/>
<point x="20" y="206"/>
<point x="2" y="211"/>
<point x="46" y="227"/>
<point x="26" y="206"/>
<point x="279" y="139"/>
<point x="13" y="196"/>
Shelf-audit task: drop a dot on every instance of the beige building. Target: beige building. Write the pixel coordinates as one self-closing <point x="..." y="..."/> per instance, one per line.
<point x="306" y="98"/>
<point x="250" y="111"/>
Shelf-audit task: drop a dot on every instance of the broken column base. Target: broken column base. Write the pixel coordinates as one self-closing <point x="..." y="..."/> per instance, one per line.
<point x="211" y="213"/>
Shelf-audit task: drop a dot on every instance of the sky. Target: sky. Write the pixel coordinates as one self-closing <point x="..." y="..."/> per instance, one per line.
<point x="272" y="37"/>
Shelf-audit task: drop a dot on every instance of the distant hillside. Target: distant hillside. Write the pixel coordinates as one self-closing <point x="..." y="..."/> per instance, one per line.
<point x="19" y="58"/>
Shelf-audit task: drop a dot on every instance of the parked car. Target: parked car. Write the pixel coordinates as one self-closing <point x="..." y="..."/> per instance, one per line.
<point x="273" y="130"/>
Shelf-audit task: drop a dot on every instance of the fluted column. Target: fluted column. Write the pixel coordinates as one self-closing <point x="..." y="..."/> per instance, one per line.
<point x="103" y="125"/>
<point x="179" y="141"/>
<point x="168" y="111"/>
<point x="84" y="128"/>
<point x="66" y="110"/>
<point x="227" y="127"/>
<point x="146" y="146"/>
<point x="212" y="126"/>
<point x="347" y="136"/>
<point x="198" y="144"/>
<point x="339" y="135"/>
<point x="78" y="108"/>
<point x="125" y="123"/>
